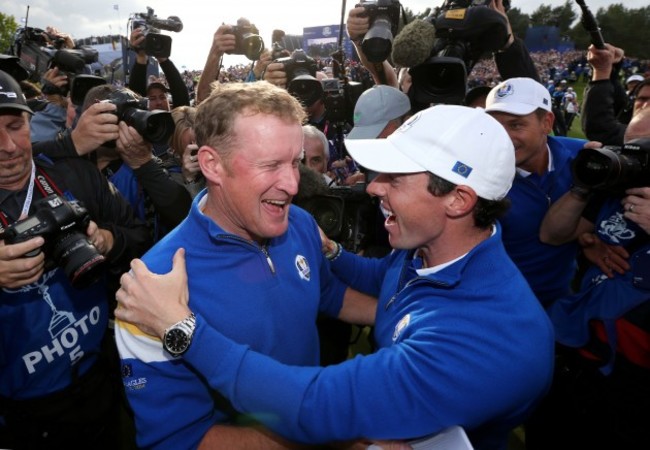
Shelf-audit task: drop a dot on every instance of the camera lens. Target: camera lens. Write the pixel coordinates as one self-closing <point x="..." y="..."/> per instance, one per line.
<point x="253" y="46"/>
<point x="79" y="259"/>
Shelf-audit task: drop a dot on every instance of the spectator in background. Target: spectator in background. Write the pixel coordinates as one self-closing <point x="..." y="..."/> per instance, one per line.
<point x="183" y="145"/>
<point x="317" y="151"/>
<point x="571" y="107"/>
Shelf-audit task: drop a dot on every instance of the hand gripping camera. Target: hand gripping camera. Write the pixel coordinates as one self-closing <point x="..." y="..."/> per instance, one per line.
<point x="63" y="225"/>
<point x="247" y="40"/>
<point x="301" y="75"/>
<point x="155" y="126"/>
<point x="612" y="168"/>
<point x="383" y="16"/>
<point x="156" y="44"/>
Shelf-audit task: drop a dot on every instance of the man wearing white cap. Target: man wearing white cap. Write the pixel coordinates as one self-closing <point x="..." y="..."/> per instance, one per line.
<point x="462" y="339"/>
<point x="523" y="107"/>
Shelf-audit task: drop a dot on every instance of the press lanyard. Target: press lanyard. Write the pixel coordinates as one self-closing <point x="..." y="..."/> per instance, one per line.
<point x="30" y="194"/>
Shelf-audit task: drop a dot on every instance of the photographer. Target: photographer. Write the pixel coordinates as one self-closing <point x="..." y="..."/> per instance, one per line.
<point x="138" y="79"/>
<point x="605" y="97"/>
<point x="357" y="25"/>
<point x="225" y="42"/>
<point x="140" y="176"/>
<point x="58" y="383"/>
<point x="600" y="396"/>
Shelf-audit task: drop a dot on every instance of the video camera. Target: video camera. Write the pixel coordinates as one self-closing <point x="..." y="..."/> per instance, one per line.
<point x="614" y="168"/>
<point x="156" y="44"/>
<point x="154" y="126"/>
<point x="383" y="17"/>
<point x="40" y="51"/>
<point x="63" y="225"/>
<point x="340" y="98"/>
<point x="74" y="62"/>
<point x="347" y="214"/>
<point x="465" y="30"/>
<point x="248" y="42"/>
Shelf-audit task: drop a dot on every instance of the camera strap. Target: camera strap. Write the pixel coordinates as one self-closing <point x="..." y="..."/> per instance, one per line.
<point x="45" y="185"/>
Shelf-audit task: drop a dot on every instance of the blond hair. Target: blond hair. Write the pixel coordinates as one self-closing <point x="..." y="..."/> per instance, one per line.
<point x="215" y="117"/>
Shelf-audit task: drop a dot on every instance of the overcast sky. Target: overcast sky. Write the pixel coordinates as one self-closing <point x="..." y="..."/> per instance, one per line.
<point x="84" y="18"/>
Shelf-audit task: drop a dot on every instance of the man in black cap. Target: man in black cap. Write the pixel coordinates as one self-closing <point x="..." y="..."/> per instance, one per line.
<point x="56" y="386"/>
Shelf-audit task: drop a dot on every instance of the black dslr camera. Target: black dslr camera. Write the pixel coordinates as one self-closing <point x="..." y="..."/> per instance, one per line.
<point x="613" y="168"/>
<point x="301" y="75"/>
<point x="155" y="126"/>
<point x="247" y="40"/>
<point x="156" y="44"/>
<point x="347" y="214"/>
<point x="465" y="31"/>
<point x="63" y="225"/>
<point x="383" y="17"/>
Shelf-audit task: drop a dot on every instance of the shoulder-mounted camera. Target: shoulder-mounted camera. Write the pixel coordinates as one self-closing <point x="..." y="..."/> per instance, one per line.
<point x="156" y="44"/>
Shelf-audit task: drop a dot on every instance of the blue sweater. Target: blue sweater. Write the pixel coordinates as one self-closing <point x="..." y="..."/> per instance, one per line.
<point x="268" y="303"/>
<point x="548" y="269"/>
<point x="469" y="345"/>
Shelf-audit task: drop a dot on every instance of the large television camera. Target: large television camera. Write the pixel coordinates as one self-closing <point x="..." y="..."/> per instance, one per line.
<point x="346" y="214"/>
<point x="63" y="225"/>
<point x="383" y="18"/>
<point x="613" y="168"/>
<point x="40" y="51"/>
<point x="465" y="31"/>
<point x="154" y="126"/>
<point x="155" y="44"/>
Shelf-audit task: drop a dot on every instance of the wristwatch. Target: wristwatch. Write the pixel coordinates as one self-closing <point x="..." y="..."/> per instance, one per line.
<point x="178" y="337"/>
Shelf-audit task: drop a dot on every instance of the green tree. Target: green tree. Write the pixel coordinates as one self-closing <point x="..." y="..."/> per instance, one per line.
<point x="8" y="27"/>
<point x="542" y="16"/>
<point x="519" y="22"/>
<point x="564" y="16"/>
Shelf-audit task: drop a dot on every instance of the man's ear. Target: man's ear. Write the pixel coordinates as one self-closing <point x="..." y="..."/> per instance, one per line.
<point x="461" y="201"/>
<point x="211" y="164"/>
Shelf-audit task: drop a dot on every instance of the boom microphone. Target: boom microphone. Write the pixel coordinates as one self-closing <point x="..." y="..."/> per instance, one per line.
<point x="413" y="45"/>
<point x="590" y="24"/>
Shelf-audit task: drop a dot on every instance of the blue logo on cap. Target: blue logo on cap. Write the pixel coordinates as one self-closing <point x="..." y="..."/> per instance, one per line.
<point x="462" y="169"/>
<point x="505" y="90"/>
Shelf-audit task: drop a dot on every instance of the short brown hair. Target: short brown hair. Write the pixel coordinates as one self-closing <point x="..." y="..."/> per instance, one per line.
<point x="216" y="115"/>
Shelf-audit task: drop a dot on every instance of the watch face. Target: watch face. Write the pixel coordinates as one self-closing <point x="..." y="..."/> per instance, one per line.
<point x="176" y="341"/>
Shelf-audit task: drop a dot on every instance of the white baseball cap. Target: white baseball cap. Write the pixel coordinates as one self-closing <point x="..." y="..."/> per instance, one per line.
<point x="635" y="77"/>
<point x="518" y="96"/>
<point x="460" y="144"/>
<point x="375" y="108"/>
